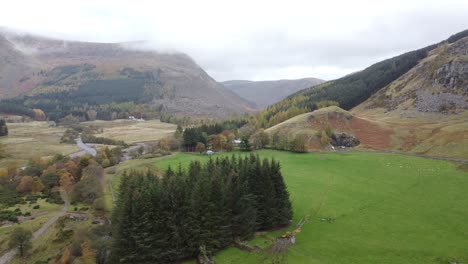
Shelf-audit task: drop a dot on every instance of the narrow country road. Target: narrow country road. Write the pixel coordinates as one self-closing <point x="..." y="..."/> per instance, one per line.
<point x="11" y="254"/>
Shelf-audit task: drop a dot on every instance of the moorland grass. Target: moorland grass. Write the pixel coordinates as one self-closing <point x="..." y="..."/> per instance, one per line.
<point x="33" y="140"/>
<point x="132" y="131"/>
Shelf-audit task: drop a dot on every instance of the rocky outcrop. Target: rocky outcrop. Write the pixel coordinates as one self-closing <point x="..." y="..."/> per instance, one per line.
<point x="441" y="102"/>
<point x="453" y="75"/>
<point x="344" y="140"/>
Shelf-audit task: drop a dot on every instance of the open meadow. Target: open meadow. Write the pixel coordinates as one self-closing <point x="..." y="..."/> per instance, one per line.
<point x="364" y="208"/>
<point x="132" y="131"/>
<point x="33" y="140"/>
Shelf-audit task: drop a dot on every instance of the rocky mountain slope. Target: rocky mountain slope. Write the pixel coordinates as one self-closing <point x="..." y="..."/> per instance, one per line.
<point x="265" y="93"/>
<point x="438" y="84"/>
<point x="424" y="111"/>
<point x="103" y="73"/>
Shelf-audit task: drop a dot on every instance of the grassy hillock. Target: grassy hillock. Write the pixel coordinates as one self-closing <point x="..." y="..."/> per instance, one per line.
<point x="428" y="134"/>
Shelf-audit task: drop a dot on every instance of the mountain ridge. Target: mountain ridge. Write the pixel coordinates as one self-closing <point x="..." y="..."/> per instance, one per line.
<point x="265" y="93"/>
<point x="173" y="82"/>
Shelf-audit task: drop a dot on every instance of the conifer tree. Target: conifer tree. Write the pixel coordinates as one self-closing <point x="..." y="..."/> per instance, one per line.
<point x="282" y="203"/>
<point x="164" y="220"/>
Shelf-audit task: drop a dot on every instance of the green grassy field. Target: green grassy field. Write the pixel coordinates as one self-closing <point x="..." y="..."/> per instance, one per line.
<point x="387" y="209"/>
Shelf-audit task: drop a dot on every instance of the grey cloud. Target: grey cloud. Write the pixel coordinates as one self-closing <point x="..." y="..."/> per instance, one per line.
<point x="249" y="40"/>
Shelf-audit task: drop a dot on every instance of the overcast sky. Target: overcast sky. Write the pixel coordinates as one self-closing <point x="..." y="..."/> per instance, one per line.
<point x="254" y="40"/>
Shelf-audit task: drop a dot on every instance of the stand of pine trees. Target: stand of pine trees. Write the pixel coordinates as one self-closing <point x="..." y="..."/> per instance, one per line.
<point x="164" y="220"/>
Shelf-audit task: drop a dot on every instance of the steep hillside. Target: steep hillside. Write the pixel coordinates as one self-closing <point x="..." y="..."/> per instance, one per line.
<point x="80" y="73"/>
<point x="439" y="84"/>
<point x="352" y="90"/>
<point x="14" y="65"/>
<point x="427" y="107"/>
<point x="265" y="93"/>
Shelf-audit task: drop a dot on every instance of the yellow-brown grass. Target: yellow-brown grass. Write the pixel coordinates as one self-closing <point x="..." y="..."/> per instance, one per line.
<point x="133" y="131"/>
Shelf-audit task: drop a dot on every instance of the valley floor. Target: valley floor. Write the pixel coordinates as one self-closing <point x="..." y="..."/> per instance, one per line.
<point x="364" y="208"/>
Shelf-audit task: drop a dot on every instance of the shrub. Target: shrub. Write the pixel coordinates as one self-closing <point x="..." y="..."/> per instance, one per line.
<point x="55" y="198"/>
<point x="86" y="191"/>
<point x="36" y="207"/>
<point x="9" y="196"/>
<point x="32" y="198"/>
<point x="9" y="216"/>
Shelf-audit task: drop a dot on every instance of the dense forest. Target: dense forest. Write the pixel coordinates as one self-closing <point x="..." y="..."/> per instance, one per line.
<point x="61" y="95"/>
<point x="199" y="211"/>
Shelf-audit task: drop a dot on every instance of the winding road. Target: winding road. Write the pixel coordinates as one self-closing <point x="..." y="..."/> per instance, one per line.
<point x="11" y="254"/>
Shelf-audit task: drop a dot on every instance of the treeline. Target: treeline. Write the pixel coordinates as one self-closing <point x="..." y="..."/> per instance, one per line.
<point x="457" y="36"/>
<point x="56" y="109"/>
<point x="201" y="134"/>
<point x="281" y="141"/>
<point x="287" y="109"/>
<point x="87" y="138"/>
<point x="207" y="208"/>
<point x="13" y="108"/>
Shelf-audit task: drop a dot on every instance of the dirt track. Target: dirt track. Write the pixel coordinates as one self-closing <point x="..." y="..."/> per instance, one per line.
<point x="11" y="254"/>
